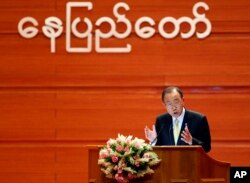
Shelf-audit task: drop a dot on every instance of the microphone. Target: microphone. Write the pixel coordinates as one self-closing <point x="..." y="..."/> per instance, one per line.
<point x="157" y="135"/>
<point x="169" y="133"/>
<point x="197" y="141"/>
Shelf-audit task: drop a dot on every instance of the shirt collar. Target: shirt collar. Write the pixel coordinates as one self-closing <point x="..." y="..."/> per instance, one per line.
<point x="181" y="117"/>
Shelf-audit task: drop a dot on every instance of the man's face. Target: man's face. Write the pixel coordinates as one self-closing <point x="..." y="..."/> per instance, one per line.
<point x="174" y="103"/>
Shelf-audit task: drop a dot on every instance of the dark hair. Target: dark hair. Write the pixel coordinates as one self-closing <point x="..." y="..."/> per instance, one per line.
<point x="170" y="90"/>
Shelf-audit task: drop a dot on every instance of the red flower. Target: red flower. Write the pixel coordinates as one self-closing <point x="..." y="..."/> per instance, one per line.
<point x="114" y="159"/>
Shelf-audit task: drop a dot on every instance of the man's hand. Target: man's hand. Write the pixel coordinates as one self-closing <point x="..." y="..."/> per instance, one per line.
<point x="186" y="135"/>
<point x="150" y="134"/>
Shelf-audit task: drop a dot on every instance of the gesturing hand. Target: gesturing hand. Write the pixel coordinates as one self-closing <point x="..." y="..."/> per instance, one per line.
<point x="186" y="135"/>
<point x="150" y="134"/>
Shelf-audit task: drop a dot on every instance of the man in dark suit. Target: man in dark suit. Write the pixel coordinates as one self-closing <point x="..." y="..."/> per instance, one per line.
<point x="179" y="126"/>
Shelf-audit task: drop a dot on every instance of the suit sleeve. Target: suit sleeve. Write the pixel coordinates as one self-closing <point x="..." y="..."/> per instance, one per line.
<point x="203" y="137"/>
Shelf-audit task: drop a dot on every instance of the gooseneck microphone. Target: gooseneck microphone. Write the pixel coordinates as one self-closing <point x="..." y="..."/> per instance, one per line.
<point x="169" y="133"/>
<point x="197" y="141"/>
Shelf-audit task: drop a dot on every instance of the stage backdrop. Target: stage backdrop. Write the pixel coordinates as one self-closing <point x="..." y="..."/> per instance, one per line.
<point x="53" y="104"/>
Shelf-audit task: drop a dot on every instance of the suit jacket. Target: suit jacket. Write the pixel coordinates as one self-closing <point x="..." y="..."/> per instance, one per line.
<point x="197" y="124"/>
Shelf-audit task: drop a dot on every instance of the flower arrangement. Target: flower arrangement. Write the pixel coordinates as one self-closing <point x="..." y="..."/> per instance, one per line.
<point x="126" y="158"/>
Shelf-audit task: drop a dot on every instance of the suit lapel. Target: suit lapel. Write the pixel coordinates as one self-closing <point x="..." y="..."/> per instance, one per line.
<point x="185" y="121"/>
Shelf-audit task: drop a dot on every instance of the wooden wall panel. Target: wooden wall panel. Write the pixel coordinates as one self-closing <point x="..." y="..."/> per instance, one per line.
<point x="223" y="21"/>
<point x="43" y="163"/>
<point x="52" y="105"/>
<point x="236" y="152"/>
<point x="72" y="112"/>
<point x="27" y="4"/>
<point x="212" y="62"/>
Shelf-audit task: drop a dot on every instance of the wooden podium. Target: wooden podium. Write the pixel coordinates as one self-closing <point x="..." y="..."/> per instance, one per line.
<point x="180" y="164"/>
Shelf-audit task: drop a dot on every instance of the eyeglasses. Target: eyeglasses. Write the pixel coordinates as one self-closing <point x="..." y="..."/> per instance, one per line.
<point x="176" y="103"/>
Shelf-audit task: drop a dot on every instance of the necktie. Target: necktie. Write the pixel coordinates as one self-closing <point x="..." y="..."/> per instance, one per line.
<point x="176" y="130"/>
